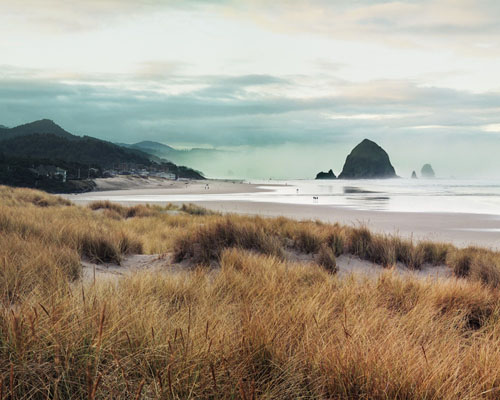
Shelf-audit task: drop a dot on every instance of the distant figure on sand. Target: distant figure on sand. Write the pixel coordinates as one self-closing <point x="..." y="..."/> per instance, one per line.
<point x="297" y="190"/>
<point x="315" y="199"/>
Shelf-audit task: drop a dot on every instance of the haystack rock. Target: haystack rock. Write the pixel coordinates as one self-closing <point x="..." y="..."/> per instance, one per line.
<point x="427" y="171"/>
<point x="367" y="161"/>
<point x="326" y="175"/>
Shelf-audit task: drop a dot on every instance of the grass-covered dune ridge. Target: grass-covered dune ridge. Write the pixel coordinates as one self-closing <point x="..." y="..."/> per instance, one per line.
<point x="263" y="325"/>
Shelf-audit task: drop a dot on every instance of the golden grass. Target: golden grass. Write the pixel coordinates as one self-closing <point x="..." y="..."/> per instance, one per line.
<point x="14" y="196"/>
<point x="207" y="242"/>
<point x="261" y="326"/>
<point x="326" y="258"/>
<point x="193" y="209"/>
<point x="116" y="211"/>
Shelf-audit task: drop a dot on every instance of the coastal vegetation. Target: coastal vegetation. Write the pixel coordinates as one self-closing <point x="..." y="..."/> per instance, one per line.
<point x="243" y="314"/>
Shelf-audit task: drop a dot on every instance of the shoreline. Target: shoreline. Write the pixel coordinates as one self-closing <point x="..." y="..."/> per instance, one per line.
<point x="461" y="229"/>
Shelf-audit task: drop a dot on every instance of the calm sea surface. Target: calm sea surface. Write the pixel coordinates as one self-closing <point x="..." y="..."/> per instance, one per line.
<point x="397" y="195"/>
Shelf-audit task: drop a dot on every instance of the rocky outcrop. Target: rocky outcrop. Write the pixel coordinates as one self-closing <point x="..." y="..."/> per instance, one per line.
<point x="367" y="161"/>
<point x="326" y="175"/>
<point x="427" y="171"/>
<point x="413" y="175"/>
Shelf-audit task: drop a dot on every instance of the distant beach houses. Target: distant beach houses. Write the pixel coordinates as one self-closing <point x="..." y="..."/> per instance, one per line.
<point x="51" y="171"/>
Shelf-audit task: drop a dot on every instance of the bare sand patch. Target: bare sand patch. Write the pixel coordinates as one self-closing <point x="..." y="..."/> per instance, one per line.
<point x="136" y="185"/>
<point x="129" y="265"/>
<point x="348" y="265"/>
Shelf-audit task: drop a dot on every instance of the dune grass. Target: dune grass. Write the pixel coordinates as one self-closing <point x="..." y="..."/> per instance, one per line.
<point x="263" y="325"/>
<point x="260" y="328"/>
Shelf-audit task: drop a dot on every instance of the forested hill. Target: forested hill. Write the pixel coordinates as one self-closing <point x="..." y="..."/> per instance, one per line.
<point x="85" y="150"/>
<point x="41" y="126"/>
<point x="24" y="148"/>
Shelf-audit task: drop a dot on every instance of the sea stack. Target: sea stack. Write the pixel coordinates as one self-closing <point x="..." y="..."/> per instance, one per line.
<point x="413" y="175"/>
<point x="367" y="161"/>
<point x="326" y="175"/>
<point x="427" y="171"/>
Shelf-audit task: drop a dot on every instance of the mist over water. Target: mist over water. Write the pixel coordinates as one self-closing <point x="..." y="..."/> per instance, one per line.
<point x="450" y="159"/>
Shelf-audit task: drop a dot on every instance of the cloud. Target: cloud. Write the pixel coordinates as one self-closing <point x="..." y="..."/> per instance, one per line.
<point x="227" y="113"/>
<point x="340" y="17"/>
<point x="158" y="69"/>
<point x="463" y="26"/>
<point x="64" y="16"/>
<point x="254" y="80"/>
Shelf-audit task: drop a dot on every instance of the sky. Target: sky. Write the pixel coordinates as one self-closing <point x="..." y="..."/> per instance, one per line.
<point x="288" y="87"/>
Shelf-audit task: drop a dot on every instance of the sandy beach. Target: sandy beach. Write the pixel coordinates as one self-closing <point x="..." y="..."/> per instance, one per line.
<point x="146" y="186"/>
<point x="461" y="229"/>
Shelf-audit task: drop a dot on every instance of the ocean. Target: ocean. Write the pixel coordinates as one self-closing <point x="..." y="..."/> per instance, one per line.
<point x="395" y="195"/>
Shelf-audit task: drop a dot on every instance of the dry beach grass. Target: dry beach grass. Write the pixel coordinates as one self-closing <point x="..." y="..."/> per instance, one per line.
<point x="261" y="324"/>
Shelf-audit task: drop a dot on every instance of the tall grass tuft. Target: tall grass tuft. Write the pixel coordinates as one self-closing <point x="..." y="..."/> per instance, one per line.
<point x="358" y="242"/>
<point x="206" y="243"/>
<point x="326" y="258"/>
<point x="125" y="212"/>
<point x="193" y="209"/>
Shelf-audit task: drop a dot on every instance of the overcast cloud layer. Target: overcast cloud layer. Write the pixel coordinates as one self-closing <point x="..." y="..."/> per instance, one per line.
<point x="307" y="79"/>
